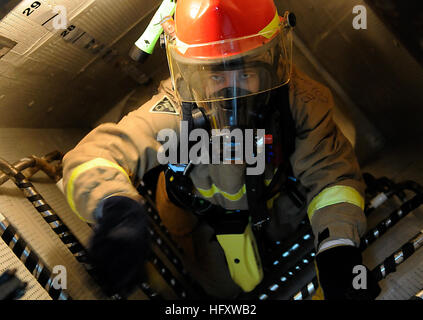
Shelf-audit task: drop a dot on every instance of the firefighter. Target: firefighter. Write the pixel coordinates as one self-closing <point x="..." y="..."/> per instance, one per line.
<point x="230" y="64"/>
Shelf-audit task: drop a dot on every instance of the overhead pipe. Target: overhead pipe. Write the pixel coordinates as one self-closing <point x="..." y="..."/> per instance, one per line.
<point x="34" y="164"/>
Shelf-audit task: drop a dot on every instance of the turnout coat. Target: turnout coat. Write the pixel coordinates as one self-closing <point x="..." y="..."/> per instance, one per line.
<point x="112" y="157"/>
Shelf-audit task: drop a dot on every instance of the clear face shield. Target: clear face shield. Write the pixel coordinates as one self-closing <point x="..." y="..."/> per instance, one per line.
<point x="233" y="85"/>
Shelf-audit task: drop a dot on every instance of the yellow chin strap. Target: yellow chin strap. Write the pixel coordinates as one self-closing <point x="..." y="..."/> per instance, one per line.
<point x="243" y="258"/>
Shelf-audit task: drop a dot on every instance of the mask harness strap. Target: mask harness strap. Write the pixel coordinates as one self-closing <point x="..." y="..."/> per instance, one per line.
<point x="236" y="230"/>
<point x="246" y="269"/>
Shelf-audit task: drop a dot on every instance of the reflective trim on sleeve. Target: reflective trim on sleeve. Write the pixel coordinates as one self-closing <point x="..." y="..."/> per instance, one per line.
<point x="335" y="243"/>
<point x="98" y="162"/>
<point x="209" y="193"/>
<point x="335" y="195"/>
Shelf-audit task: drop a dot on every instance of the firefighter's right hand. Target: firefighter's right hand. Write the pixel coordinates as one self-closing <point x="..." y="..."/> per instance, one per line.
<point x="120" y="245"/>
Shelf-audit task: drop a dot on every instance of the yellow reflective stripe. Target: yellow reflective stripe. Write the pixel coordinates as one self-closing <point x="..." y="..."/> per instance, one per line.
<point x="209" y="193"/>
<point x="335" y="195"/>
<point x="273" y="25"/>
<point x="98" y="162"/>
<point x="271" y="201"/>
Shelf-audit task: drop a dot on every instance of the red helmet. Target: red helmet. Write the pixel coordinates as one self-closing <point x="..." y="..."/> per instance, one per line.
<point x="225" y="50"/>
<point x="207" y="21"/>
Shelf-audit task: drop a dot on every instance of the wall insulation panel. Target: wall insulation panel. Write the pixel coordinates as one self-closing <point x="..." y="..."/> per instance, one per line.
<point x="56" y="78"/>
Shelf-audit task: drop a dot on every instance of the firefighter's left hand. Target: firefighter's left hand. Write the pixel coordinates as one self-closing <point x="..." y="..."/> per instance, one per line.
<point x="337" y="278"/>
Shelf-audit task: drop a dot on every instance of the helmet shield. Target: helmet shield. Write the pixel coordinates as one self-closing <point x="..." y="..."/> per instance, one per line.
<point x="227" y="79"/>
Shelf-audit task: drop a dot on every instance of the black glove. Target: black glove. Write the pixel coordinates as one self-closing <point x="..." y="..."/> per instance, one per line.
<point x="120" y="245"/>
<point x="336" y="277"/>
